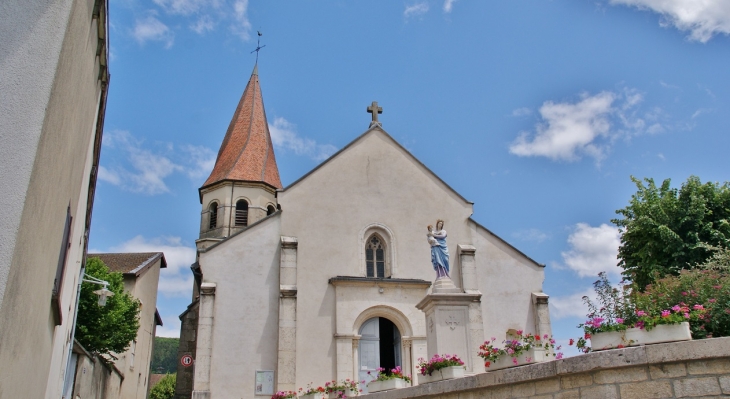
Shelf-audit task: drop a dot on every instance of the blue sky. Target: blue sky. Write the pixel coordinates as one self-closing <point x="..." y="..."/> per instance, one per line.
<point x="537" y="111"/>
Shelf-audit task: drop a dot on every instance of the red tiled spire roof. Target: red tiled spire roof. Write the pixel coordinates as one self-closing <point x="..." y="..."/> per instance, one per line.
<point x="246" y="153"/>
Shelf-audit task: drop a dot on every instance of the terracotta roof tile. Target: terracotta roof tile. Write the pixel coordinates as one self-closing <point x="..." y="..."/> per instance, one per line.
<point x="129" y="263"/>
<point x="247" y="153"/>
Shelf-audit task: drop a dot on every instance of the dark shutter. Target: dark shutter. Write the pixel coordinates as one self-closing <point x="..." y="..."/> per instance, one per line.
<point x="60" y="268"/>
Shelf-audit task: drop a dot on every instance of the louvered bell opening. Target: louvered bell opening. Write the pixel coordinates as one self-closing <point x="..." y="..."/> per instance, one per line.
<point x="241" y="213"/>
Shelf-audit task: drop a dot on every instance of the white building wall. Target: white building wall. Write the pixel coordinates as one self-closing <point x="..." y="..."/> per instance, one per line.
<point x="49" y="80"/>
<point x="245" y="269"/>
<point x="372" y="181"/>
<point x="506" y="280"/>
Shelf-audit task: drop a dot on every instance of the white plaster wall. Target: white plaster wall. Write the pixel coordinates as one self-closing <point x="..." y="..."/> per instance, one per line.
<point x="506" y="280"/>
<point x="136" y="372"/>
<point x="32" y="34"/>
<point x="372" y="181"/>
<point x="61" y="345"/>
<point x="48" y="108"/>
<point x="245" y="269"/>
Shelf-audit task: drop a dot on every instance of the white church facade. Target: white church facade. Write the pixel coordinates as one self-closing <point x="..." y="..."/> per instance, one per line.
<point x="320" y="280"/>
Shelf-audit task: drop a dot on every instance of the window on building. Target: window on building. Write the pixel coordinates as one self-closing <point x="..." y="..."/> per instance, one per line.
<point x="241" y="213"/>
<point x="213" y="212"/>
<point x="60" y="267"/>
<point x="375" y="257"/>
<point x="270" y="209"/>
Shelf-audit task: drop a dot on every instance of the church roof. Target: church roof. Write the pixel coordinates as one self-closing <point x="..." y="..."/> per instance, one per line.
<point x="247" y="153"/>
<point x="370" y="130"/>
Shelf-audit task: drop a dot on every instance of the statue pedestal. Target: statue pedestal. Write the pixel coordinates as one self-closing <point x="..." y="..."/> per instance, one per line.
<point x="454" y="323"/>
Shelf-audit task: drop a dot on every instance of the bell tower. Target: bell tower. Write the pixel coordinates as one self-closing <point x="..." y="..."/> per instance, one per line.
<point x="241" y="189"/>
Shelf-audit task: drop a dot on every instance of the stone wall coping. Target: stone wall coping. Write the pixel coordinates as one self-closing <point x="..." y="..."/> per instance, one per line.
<point x="609" y="359"/>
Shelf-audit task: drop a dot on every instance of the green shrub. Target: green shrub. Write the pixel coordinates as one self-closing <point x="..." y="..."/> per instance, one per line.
<point x="165" y="389"/>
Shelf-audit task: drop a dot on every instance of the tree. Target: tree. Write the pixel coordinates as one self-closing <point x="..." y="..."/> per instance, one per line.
<point x="164" y="355"/>
<point x="109" y="329"/>
<point x="665" y="230"/>
<point x="165" y="389"/>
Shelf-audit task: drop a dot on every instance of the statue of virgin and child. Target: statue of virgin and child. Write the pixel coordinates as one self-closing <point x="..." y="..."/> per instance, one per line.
<point x="439" y="250"/>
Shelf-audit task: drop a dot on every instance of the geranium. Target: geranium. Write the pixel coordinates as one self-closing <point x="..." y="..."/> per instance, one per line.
<point x="397" y="372"/>
<point x="312" y="390"/>
<point x="438" y="362"/>
<point x="515" y="347"/>
<point x="284" y="395"/>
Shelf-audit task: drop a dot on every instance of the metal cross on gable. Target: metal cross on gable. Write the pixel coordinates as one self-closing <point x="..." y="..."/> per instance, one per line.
<point x="375" y="110"/>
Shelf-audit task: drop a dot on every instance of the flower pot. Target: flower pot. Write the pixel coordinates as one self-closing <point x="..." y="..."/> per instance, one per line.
<point x="395" y="383"/>
<point x="342" y="394"/>
<point x="659" y="334"/>
<point x="316" y="395"/>
<point x="445" y="373"/>
<point x="534" y="355"/>
<point x="608" y="340"/>
<point x="452" y="372"/>
<point x="637" y="336"/>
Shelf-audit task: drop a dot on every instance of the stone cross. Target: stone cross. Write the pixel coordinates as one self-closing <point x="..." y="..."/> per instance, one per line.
<point x="375" y="110"/>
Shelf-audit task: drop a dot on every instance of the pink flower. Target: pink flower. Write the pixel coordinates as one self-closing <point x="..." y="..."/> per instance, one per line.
<point x="686" y="315"/>
<point x="519" y="332"/>
<point x="712" y="300"/>
<point x="698" y="307"/>
<point x="676" y="308"/>
<point x="640" y="313"/>
<point x="545" y="336"/>
<point x="666" y="313"/>
<point x="684" y="293"/>
<point x="494" y="339"/>
<point x="559" y="355"/>
<point x="619" y="320"/>
<point x="514" y="360"/>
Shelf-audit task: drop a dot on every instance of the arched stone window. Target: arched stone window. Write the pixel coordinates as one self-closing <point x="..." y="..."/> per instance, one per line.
<point x="375" y="256"/>
<point x="270" y="209"/>
<point x="241" y="213"/>
<point x="213" y="215"/>
<point x="381" y="252"/>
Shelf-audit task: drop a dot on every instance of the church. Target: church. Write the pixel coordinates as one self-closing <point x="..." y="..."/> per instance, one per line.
<point x="325" y="279"/>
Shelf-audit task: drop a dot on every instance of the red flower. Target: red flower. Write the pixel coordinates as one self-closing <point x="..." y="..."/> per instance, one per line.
<point x="486" y="364"/>
<point x="571" y="342"/>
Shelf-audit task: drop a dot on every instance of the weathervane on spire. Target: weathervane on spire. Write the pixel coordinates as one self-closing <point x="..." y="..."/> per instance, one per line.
<point x="258" y="46"/>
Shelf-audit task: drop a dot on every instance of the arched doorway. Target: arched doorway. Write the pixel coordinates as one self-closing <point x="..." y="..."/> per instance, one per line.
<point x="380" y="346"/>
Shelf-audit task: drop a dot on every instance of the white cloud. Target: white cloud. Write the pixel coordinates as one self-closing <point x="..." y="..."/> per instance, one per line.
<point x="702" y="18"/>
<point x="570" y="305"/>
<point x="524" y="111"/>
<point x="150" y="165"/>
<point x="202" y="161"/>
<point x="531" y="235"/>
<point x="448" y="5"/>
<point x="187" y="7"/>
<point x="170" y="327"/>
<point x="284" y="136"/>
<point x="415" y="10"/>
<point x="242" y="26"/>
<point x="569" y="131"/>
<point x="593" y="250"/>
<point x="150" y="28"/>
<point x="701" y="111"/>
<point x="203" y="24"/>
<point x="109" y="176"/>
<point x="176" y="279"/>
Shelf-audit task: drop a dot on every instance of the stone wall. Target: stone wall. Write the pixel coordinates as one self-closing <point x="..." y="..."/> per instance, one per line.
<point x="94" y="379"/>
<point x="675" y="370"/>
<point x="188" y="340"/>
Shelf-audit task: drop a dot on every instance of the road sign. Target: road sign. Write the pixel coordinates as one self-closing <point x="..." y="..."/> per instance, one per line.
<point x="186" y="360"/>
